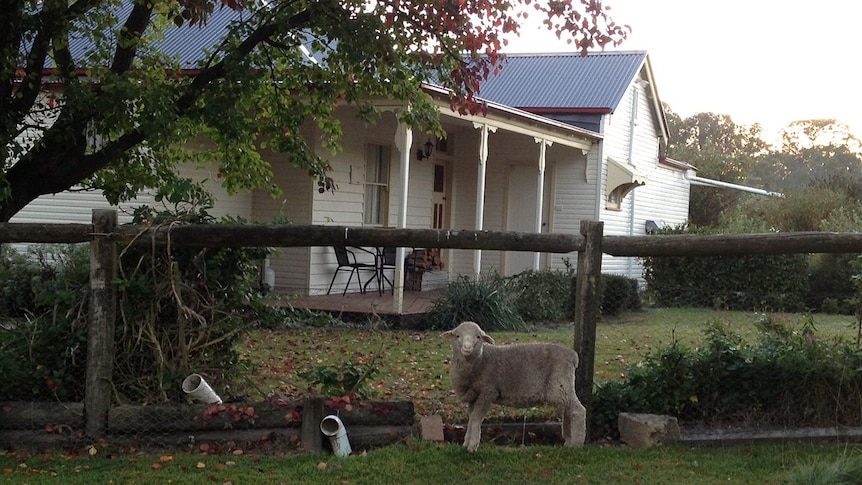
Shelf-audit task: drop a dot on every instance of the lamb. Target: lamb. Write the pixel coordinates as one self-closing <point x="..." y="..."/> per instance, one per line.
<point x="520" y="375"/>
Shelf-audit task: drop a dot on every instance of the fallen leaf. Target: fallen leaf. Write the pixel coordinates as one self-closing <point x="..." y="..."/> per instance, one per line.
<point x="157" y="466"/>
<point x="201" y="464"/>
<point x="237" y="452"/>
<point x="92" y="451"/>
<point x="165" y="458"/>
<point x="322" y="465"/>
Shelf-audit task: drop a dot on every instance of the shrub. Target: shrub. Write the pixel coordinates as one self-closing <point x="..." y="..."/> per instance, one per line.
<point x="180" y="310"/>
<point x="544" y="296"/>
<point x="619" y="294"/>
<point x="43" y="337"/>
<point x="342" y="379"/>
<point x="487" y="302"/>
<point x="788" y="378"/>
<point x="830" y="283"/>
<point x="759" y="283"/>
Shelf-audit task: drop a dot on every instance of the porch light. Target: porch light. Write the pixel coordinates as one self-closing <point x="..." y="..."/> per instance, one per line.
<point x="426" y="151"/>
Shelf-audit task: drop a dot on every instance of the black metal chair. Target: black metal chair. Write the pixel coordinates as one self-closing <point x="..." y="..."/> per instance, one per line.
<point x="385" y="260"/>
<point x="347" y="262"/>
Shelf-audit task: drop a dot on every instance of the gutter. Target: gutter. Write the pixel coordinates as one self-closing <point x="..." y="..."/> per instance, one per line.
<point x="695" y="180"/>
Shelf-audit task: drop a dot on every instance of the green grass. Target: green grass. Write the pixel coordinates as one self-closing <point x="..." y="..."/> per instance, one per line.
<point x="413" y="365"/>
<point x="426" y="463"/>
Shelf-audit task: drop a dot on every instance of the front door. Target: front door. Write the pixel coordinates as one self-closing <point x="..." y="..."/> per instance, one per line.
<point x="438" y="197"/>
<point x="520" y="214"/>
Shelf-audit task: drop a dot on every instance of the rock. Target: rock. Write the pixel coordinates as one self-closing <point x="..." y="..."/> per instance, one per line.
<point x="647" y="430"/>
<point x="431" y="428"/>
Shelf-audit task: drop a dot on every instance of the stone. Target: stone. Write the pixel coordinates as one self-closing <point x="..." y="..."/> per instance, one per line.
<point x="647" y="430"/>
<point x="431" y="428"/>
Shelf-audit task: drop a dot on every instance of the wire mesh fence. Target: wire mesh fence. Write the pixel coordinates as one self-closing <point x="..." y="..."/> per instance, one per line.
<point x="715" y="341"/>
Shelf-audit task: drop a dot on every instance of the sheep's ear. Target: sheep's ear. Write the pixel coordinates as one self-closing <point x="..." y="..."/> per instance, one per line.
<point x="486" y="338"/>
<point x="448" y="335"/>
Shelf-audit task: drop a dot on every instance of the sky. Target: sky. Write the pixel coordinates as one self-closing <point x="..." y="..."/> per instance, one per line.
<point x="759" y="61"/>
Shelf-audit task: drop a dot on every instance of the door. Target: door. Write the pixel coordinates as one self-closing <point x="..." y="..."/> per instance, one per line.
<point x="520" y="214"/>
<point x="438" y="198"/>
<point x="521" y="193"/>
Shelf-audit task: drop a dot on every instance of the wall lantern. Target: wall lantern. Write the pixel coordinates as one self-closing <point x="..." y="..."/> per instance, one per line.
<point x="425" y="151"/>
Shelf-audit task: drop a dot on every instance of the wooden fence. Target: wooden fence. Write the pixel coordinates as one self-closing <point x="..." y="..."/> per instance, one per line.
<point x="105" y="234"/>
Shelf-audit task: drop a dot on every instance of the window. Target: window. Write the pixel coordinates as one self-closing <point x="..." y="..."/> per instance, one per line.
<point x="621" y="180"/>
<point x="376" y="184"/>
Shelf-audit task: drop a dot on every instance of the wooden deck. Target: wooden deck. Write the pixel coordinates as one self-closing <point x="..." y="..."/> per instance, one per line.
<point x="355" y="305"/>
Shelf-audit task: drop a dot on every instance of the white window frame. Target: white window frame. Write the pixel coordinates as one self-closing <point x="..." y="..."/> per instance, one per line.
<point x="378" y="163"/>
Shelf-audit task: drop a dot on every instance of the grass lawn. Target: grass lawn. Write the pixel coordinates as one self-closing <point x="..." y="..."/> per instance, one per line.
<point x="414" y="365"/>
<point x="425" y="463"/>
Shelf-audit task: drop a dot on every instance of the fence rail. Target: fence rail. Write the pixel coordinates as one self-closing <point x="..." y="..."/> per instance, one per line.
<point x="298" y="235"/>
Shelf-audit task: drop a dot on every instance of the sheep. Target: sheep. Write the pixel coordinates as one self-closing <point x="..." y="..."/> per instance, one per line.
<point x="520" y="375"/>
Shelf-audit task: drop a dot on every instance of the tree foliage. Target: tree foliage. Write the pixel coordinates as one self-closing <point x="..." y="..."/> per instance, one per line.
<point x="117" y="116"/>
<point x="811" y="150"/>
<point x="721" y="150"/>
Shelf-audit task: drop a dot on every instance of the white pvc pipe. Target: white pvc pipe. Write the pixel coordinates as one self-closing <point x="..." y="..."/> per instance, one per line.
<point x="197" y="389"/>
<point x="334" y="429"/>
<point x="695" y="180"/>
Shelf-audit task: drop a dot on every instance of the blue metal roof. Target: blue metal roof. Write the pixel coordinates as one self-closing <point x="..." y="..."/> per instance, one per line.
<point x="189" y="43"/>
<point x="541" y="83"/>
<point x="564" y="81"/>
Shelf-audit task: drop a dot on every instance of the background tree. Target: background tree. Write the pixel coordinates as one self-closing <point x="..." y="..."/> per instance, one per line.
<point x="116" y="117"/>
<point x="721" y="150"/>
<point x="811" y="150"/>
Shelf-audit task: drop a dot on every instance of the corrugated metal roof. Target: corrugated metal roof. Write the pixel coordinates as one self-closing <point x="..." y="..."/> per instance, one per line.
<point x="565" y="81"/>
<point x="189" y="43"/>
<point x="531" y="82"/>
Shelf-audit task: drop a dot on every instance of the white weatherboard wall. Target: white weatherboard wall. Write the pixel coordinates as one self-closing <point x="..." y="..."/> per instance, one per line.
<point x="665" y="194"/>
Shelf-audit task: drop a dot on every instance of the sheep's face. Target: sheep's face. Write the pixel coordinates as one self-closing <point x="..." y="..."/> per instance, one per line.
<point x="467" y="339"/>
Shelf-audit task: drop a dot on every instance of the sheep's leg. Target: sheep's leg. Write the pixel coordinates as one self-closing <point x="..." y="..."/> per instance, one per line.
<point x="575" y="423"/>
<point x="478" y="410"/>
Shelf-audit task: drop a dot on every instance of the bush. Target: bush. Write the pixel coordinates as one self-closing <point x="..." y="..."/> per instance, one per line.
<point x="788" y="378"/>
<point x="43" y="337"/>
<point x="544" y="296"/>
<point x="487" y="302"/>
<point x="619" y="294"/>
<point x="830" y="283"/>
<point x="537" y="297"/>
<point x="759" y="283"/>
<point x="180" y="310"/>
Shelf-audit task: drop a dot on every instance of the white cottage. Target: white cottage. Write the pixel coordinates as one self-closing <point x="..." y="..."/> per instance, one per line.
<point x="566" y="138"/>
<point x="631" y="187"/>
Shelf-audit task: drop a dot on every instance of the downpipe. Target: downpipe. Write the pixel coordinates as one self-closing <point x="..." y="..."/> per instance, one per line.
<point x="334" y="429"/>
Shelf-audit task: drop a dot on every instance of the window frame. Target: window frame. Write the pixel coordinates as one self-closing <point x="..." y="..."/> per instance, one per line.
<point x="378" y="167"/>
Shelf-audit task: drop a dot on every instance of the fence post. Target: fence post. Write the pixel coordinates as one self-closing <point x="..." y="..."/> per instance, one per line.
<point x="587" y="310"/>
<point x="312" y="415"/>
<point x="100" y="329"/>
